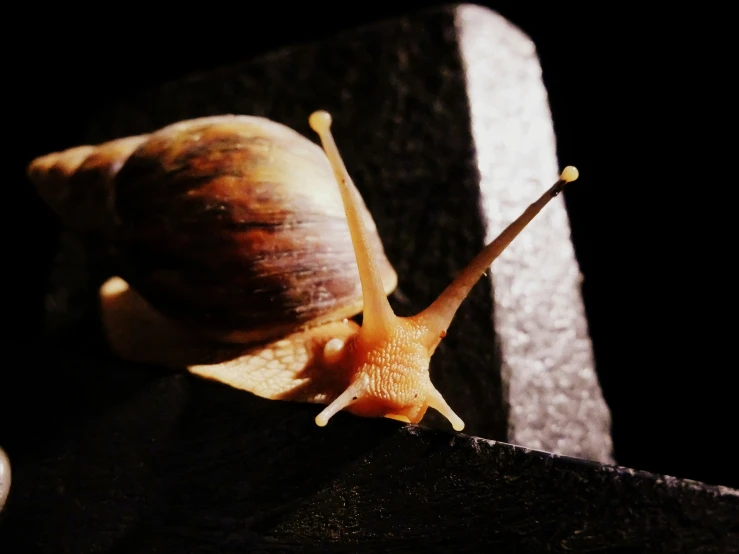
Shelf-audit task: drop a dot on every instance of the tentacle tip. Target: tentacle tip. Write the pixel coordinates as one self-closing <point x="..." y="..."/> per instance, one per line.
<point x="569" y="174"/>
<point x="320" y="121"/>
<point x="333" y="350"/>
<point x="321" y="421"/>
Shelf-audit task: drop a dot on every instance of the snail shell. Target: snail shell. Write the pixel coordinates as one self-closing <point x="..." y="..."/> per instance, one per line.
<point x="231" y="225"/>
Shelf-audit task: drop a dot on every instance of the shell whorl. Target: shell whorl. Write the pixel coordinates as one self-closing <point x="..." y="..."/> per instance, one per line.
<point x="78" y="183"/>
<point x="233" y="225"/>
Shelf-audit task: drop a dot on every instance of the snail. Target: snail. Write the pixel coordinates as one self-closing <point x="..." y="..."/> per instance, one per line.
<point x="230" y="233"/>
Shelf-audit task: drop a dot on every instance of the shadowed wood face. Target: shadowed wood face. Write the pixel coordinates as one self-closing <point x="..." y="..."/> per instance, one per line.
<point x="234" y="224"/>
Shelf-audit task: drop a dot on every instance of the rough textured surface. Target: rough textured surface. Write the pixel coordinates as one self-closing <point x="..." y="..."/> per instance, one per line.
<point x="556" y="403"/>
<point x="145" y="462"/>
<point x="409" y="141"/>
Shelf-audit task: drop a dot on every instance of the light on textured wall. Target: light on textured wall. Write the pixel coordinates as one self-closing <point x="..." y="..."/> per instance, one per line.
<point x="548" y="366"/>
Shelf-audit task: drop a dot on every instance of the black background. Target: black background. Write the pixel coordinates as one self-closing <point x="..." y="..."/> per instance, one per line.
<point x="633" y="96"/>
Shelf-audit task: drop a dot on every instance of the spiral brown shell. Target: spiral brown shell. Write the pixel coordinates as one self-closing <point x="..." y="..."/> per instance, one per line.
<point x="231" y="224"/>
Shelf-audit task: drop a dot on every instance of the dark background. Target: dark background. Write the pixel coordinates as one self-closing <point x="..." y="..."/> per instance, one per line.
<point x="631" y="93"/>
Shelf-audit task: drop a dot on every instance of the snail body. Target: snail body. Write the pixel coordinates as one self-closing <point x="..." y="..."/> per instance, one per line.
<point x="230" y="233"/>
